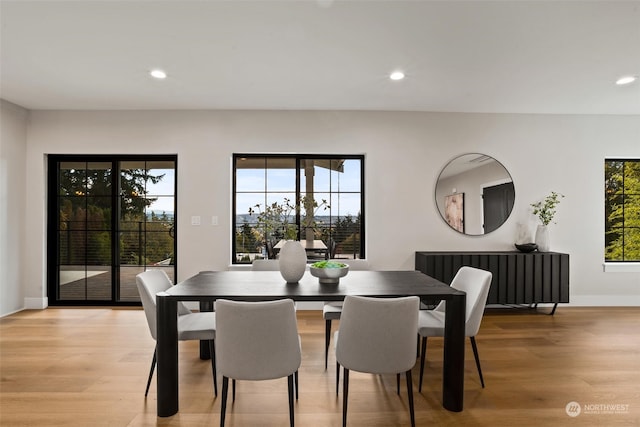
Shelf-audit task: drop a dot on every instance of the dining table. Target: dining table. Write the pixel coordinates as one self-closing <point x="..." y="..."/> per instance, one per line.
<point x="206" y="287"/>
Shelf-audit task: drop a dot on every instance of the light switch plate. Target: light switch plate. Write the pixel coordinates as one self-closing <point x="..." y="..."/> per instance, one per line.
<point x="195" y="220"/>
<point x="214" y="220"/>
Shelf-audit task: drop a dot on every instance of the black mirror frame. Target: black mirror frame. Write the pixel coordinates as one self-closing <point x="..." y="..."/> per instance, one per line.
<point x="452" y="204"/>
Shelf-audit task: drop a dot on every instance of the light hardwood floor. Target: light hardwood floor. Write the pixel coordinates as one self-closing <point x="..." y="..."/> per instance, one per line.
<point x="88" y="367"/>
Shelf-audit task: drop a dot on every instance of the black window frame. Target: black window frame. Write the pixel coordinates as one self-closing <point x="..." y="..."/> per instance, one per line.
<point x="298" y="158"/>
<point x="616" y="194"/>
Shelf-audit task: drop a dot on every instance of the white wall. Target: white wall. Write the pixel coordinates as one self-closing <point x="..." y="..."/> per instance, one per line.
<point x="13" y="150"/>
<point x="404" y="155"/>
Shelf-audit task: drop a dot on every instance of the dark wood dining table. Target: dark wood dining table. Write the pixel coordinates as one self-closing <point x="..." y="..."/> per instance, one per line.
<point x="207" y="287"/>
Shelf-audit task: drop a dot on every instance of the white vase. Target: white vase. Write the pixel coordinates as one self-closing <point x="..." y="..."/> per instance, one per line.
<point x="293" y="261"/>
<point x="542" y="238"/>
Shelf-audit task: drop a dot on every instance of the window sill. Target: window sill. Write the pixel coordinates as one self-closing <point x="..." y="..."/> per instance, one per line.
<point x="621" y="267"/>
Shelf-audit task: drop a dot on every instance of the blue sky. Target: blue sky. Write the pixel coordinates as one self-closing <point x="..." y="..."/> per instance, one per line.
<point x="280" y="184"/>
<point x="163" y="190"/>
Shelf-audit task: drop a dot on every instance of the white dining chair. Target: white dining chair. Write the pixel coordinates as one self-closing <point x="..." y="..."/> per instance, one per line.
<point x="257" y="341"/>
<point x="265" y="265"/>
<point x="377" y="336"/>
<point x="191" y="326"/>
<point x="331" y="310"/>
<point x="475" y="283"/>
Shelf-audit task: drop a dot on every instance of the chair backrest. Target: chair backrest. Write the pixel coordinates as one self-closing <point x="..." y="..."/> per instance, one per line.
<point x="257" y="340"/>
<point x="378" y="335"/>
<point x="149" y="284"/>
<point x="476" y="283"/>
<point x="265" y="265"/>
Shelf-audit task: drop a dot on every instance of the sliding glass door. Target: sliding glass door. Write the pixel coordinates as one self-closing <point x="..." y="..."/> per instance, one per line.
<point x="109" y="218"/>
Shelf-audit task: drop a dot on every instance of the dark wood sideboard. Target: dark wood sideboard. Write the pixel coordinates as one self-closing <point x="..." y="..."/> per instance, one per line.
<point x="518" y="278"/>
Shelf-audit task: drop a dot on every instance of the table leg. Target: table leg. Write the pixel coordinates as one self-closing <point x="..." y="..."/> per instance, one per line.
<point x="167" y="355"/>
<point x="453" y="368"/>
<point x="204" y="344"/>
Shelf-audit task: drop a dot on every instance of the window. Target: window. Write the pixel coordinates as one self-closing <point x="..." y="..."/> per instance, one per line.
<point x="622" y="209"/>
<point x="298" y="197"/>
<point x="109" y="218"/>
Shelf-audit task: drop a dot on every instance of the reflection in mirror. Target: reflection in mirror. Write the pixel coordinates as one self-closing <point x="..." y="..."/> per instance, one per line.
<point x="474" y="194"/>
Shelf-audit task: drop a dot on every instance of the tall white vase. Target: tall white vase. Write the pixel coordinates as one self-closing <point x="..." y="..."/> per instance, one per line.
<point x="542" y="238"/>
<point x="293" y="261"/>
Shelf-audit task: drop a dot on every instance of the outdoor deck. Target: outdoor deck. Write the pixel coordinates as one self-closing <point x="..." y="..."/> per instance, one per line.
<point x="94" y="284"/>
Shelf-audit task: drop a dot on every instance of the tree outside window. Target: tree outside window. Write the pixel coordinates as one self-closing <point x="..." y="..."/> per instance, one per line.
<point x="622" y="209"/>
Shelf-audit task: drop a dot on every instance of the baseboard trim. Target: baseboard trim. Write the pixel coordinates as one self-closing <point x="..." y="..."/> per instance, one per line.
<point x="604" y="301"/>
<point x="36" y="303"/>
<point x="10" y="313"/>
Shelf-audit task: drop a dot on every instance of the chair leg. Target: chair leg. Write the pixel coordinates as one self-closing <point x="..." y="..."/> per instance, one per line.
<point x="410" y="394"/>
<point x="418" y="347"/>
<point x="290" y="386"/>
<point x="153" y="367"/>
<point x="295" y="379"/>
<point x="223" y="404"/>
<point x="327" y="339"/>
<point x="475" y="353"/>
<point x="233" y="388"/>
<point x="423" y="357"/>
<point x="345" y="395"/>
<point x="398" y="384"/>
<point x="212" y="352"/>
<point x="337" y="376"/>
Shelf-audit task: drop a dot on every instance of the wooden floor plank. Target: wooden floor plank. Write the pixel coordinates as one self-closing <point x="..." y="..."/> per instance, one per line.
<point x="88" y="366"/>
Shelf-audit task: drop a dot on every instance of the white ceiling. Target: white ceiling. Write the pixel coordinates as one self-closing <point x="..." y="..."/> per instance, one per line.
<point x="552" y="57"/>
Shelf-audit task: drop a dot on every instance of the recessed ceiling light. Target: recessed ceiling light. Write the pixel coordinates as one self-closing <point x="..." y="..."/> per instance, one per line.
<point x="158" y="74"/>
<point x="396" y="75"/>
<point x="625" y="80"/>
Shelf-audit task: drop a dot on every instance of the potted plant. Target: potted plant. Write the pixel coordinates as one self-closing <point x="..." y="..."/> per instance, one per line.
<point x="278" y="220"/>
<point x="308" y="221"/>
<point x="545" y="210"/>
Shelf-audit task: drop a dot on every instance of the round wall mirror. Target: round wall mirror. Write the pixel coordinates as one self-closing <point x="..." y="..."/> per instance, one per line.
<point x="474" y="194"/>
